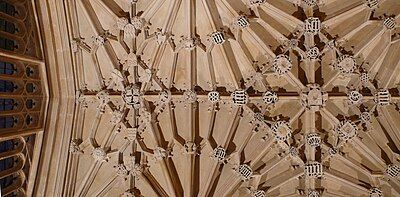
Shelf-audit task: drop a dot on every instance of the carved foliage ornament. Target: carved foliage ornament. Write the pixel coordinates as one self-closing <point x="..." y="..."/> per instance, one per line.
<point x="355" y="97"/>
<point x="282" y="64"/>
<point x="270" y="97"/>
<point x="281" y="130"/>
<point x="99" y="154"/>
<point x="346" y="130"/>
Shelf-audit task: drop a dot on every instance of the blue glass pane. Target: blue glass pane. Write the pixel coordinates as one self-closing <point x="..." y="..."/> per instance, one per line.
<point x="7" y="8"/>
<point x="6" y="104"/>
<point x="7" y="68"/>
<point x="6" y="146"/>
<point x="7" y="44"/>
<point x="6" y="122"/>
<point x="6" y="86"/>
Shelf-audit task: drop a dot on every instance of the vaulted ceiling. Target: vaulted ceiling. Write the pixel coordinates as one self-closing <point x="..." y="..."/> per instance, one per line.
<point x="235" y="98"/>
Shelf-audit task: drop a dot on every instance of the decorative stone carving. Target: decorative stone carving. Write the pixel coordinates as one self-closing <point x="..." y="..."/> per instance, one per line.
<point x="103" y="99"/>
<point x="346" y="130"/>
<point x="313" y="169"/>
<point x="293" y="43"/>
<point x="116" y="117"/>
<point x="313" y="97"/>
<point x="312" y="25"/>
<point x="160" y="36"/>
<point x="313" y="193"/>
<point x="372" y="3"/>
<point x="393" y="170"/>
<point x="132" y="97"/>
<point x="121" y="170"/>
<point x="281" y="130"/>
<point x="389" y="23"/>
<point x="217" y="37"/>
<point x="99" y="154"/>
<point x="332" y="151"/>
<point x="310" y="2"/>
<point x="121" y="23"/>
<point x="241" y="22"/>
<point x="364" y="78"/>
<point x="256" y="2"/>
<point x="99" y="40"/>
<point x="313" y="140"/>
<point x="293" y="151"/>
<point x="190" y="148"/>
<point x="164" y="97"/>
<point x="160" y="153"/>
<point x="282" y="64"/>
<point x="74" y="46"/>
<point x="213" y="96"/>
<point x="382" y="97"/>
<point x="258" y="193"/>
<point x="313" y="53"/>
<point x="80" y="98"/>
<point x="346" y="64"/>
<point x="270" y="97"/>
<point x="219" y="154"/>
<point x="189" y="43"/>
<point x="244" y="171"/>
<point x="355" y="97"/>
<point x="189" y="96"/>
<point x="138" y="22"/>
<point x="131" y="134"/>
<point x="74" y="147"/>
<point x="258" y="117"/>
<point x="239" y="97"/>
<point x="365" y="117"/>
<point x="375" y="192"/>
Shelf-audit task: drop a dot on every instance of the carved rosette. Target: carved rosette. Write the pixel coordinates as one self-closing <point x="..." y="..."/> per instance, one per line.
<point x="189" y="96"/>
<point x="99" y="154"/>
<point x="282" y="64"/>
